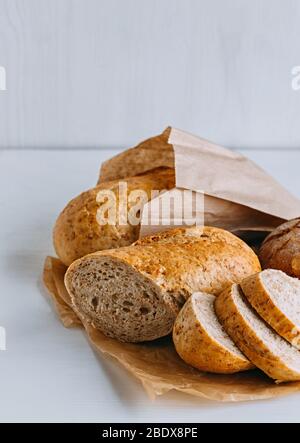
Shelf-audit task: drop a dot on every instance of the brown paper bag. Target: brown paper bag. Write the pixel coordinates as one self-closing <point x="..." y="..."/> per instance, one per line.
<point x="237" y="194"/>
<point x="156" y="365"/>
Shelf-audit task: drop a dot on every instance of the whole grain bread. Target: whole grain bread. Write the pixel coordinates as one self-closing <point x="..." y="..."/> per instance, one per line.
<point x="255" y="338"/>
<point x="281" y="249"/>
<point x="135" y="293"/>
<point x="276" y="298"/>
<point x="77" y="231"/>
<point x="149" y="154"/>
<point x="202" y="342"/>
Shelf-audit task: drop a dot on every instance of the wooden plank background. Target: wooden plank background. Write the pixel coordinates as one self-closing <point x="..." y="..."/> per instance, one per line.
<point x="107" y="73"/>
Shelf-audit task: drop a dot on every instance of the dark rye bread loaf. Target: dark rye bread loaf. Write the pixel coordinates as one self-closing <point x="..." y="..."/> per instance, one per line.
<point x="281" y="249"/>
<point x="77" y="231"/>
<point x="135" y="293"/>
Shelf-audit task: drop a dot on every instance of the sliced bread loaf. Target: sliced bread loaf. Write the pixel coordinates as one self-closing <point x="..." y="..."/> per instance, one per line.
<point x="135" y="293"/>
<point x="259" y="342"/>
<point x="276" y="298"/>
<point x="202" y="342"/>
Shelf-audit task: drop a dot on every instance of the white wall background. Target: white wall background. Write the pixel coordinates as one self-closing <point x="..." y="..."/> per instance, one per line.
<point x="107" y="73"/>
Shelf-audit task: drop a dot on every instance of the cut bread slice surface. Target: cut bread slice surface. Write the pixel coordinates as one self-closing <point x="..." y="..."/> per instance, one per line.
<point x="202" y="342"/>
<point x="134" y="293"/>
<point x="276" y="298"/>
<point x="258" y="341"/>
<point x="118" y="300"/>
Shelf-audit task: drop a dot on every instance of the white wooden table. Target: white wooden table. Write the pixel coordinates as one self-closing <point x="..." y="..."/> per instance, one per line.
<point x="49" y="373"/>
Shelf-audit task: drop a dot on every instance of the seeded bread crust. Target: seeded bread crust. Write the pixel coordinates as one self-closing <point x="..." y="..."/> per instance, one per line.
<point x="281" y="249"/>
<point x="259" y="297"/>
<point x="152" y="153"/>
<point x="196" y="345"/>
<point x="77" y="231"/>
<point x="258" y="351"/>
<point x="170" y="266"/>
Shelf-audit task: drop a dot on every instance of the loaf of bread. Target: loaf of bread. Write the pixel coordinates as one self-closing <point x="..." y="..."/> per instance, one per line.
<point x="281" y="249"/>
<point x="135" y="293"/>
<point x="152" y="153"/>
<point x="258" y="341"/>
<point x="276" y="298"/>
<point x="77" y="231"/>
<point x="202" y="342"/>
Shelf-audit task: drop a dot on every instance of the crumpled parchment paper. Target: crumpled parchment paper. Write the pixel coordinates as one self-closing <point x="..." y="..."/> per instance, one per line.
<point x="156" y="365"/>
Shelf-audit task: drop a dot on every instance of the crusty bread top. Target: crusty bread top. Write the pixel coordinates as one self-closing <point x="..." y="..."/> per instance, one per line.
<point x="149" y="154"/>
<point x="184" y="260"/>
<point x="77" y="232"/>
<point x="281" y="248"/>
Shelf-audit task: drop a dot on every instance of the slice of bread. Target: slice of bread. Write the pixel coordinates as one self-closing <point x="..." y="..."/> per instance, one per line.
<point x="120" y="301"/>
<point x="258" y="341"/>
<point x="201" y="341"/>
<point x="276" y="298"/>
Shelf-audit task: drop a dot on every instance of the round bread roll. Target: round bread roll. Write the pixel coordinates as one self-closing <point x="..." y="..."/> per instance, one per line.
<point x="134" y="293"/>
<point x="201" y="340"/>
<point x="281" y="249"/>
<point x="77" y="231"/>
